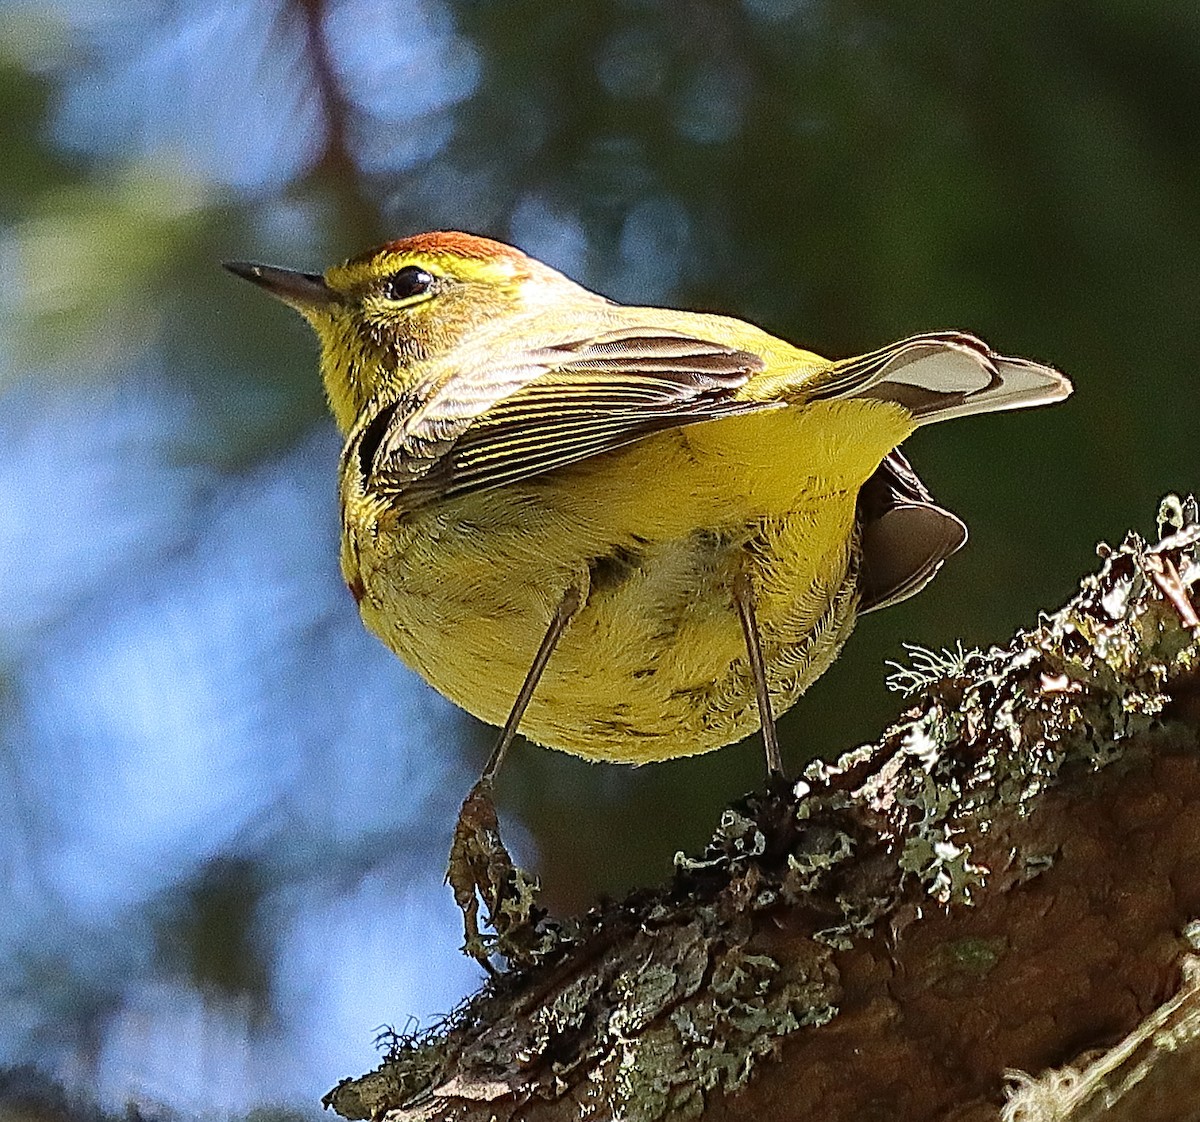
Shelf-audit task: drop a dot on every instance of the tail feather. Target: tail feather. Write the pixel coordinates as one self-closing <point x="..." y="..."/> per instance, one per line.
<point x="904" y="535"/>
<point x="945" y="374"/>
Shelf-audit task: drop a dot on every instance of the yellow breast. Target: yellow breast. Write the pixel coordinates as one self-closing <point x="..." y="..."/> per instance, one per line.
<point x="654" y="664"/>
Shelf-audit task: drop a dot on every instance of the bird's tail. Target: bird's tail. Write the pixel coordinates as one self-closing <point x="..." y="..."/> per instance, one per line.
<point x="904" y="535"/>
<point x="944" y="374"/>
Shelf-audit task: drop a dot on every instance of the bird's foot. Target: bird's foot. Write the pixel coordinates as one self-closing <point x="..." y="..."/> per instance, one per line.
<point x="481" y="869"/>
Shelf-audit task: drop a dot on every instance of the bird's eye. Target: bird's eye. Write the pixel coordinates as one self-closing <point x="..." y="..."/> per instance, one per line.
<point x="410" y="281"/>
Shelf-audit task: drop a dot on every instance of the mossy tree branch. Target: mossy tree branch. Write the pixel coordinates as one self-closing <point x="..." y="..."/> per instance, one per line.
<point x="1003" y="882"/>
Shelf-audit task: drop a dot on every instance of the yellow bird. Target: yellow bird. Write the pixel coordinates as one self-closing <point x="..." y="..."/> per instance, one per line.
<point x="629" y="533"/>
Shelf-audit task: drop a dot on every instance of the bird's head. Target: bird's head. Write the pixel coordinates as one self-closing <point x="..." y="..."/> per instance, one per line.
<point x="382" y="314"/>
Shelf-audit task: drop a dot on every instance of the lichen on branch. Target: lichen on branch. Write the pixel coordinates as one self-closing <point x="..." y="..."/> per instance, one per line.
<point x="1000" y="882"/>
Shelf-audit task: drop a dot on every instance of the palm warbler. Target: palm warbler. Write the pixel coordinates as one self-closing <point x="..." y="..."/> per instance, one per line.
<point x="630" y="533"/>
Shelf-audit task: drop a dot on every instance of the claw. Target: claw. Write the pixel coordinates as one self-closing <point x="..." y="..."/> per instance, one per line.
<point x="481" y="868"/>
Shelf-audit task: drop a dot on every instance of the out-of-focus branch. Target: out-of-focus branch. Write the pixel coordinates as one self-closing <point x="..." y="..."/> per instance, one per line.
<point x="1153" y="1075"/>
<point x="337" y="164"/>
<point x="335" y="156"/>
<point x="1004" y="881"/>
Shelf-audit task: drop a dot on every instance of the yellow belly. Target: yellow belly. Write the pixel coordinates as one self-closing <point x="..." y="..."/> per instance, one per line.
<point x="654" y="663"/>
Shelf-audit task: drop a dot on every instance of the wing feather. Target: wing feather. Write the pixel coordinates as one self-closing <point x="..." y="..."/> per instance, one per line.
<point x="550" y="408"/>
<point x="944" y="374"/>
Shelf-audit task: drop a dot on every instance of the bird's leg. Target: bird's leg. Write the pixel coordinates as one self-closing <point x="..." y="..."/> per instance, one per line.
<point x="775" y="813"/>
<point x="743" y="599"/>
<point x="480" y="866"/>
<point x="567" y="607"/>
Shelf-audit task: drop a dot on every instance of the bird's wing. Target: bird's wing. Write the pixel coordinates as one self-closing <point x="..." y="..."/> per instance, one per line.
<point x="944" y="374"/>
<point x="550" y="408"/>
<point x="905" y="535"/>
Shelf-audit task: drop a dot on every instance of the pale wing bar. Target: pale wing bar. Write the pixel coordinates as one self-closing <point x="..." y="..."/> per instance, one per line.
<point x="570" y="403"/>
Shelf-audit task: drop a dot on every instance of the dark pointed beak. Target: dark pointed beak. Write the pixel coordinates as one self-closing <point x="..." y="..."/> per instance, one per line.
<point x="306" y="292"/>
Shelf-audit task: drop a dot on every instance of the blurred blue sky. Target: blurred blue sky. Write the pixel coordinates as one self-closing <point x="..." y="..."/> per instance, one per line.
<point x="184" y="676"/>
<point x="184" y="679"/>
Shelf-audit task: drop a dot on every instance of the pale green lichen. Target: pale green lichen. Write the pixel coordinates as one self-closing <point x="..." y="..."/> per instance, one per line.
<point x="736" y="836"/>
<point x="974" y="956"/>
<point x="674" y="998"/>
<point x="925" y="667"/>
<point x="1077" y="687"/>
<point x="667" y="1040"/>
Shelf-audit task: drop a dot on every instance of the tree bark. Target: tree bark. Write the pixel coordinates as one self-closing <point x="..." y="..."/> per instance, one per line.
<point x="1003" y="883"/>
